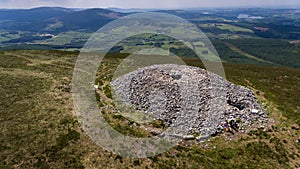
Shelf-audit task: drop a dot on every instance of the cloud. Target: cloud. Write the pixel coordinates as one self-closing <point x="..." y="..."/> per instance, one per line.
<point x="147" y="3"/>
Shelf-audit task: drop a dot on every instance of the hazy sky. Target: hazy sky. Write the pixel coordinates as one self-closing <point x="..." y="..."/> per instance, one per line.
<point x="148" y="3"/>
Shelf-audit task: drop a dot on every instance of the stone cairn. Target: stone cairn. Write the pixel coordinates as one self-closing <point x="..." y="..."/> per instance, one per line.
<point x="193" y="100"/>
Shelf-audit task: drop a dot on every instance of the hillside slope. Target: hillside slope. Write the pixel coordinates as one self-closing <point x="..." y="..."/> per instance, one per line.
<point x="54" y="20"/>
<point x="39" y="128"/>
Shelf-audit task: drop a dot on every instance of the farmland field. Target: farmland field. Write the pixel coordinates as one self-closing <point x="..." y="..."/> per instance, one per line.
<point x="39" y="128"/>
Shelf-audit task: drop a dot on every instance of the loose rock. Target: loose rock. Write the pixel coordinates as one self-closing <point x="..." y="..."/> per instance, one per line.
<point x="191" y="99"/>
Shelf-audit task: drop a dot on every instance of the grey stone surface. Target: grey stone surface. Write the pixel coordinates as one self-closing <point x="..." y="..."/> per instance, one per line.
<point x="191" y="99"/>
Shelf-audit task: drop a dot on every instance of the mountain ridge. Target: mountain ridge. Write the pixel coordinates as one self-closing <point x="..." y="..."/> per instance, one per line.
<point x="37" y="19"/>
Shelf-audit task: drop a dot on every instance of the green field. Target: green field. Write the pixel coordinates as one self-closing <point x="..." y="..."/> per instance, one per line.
<point x="279" y="52"/>
<point x="38" y="123"/>
<point x="65" y="38"/>
<point x="6" y="36"/>
<point x="39" y="128"/>
<point x="229" y="27"/>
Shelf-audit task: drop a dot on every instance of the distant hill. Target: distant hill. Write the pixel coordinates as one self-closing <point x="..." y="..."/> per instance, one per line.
<point x="131" y="10"/>
<point x="57" y="20"/>
<point x="34" y="14"/>
<point x="48" y="19"/>
<point x="88" y="20"/>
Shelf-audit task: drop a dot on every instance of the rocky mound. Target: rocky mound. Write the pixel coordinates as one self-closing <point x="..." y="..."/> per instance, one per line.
<point x="192" y="98"/>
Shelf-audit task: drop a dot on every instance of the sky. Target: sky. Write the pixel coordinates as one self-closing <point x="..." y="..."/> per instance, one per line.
<point x="169" y="4"/>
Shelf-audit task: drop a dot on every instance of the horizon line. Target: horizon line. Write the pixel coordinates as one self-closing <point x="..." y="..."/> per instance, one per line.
<point x="186" y="8"/>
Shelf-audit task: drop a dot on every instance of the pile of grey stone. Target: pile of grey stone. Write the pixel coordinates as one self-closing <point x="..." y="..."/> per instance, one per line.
<point x="189" y="99"/>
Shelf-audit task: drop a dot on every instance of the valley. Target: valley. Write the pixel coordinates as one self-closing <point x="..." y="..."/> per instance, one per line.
<point x="40" y="128"/>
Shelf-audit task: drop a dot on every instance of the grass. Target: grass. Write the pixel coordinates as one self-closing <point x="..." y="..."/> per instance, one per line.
<point x="280" y="52"/>
<point x="279" y="85"/>
<point x="65" y="38"/>
<point x="39" y="128"/>
<point x="167" y="45"/>
<point x="6" y="36"/>
<point x="231" y="28"/>
<point x="231" y="56"/>
<point x="237" y="50"/>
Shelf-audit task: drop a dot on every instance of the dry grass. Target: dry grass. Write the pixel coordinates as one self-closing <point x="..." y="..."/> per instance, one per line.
<point x="39" y="128"/>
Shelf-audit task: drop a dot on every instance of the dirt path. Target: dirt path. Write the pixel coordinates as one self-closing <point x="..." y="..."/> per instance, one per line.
<point x="103" y="97"/>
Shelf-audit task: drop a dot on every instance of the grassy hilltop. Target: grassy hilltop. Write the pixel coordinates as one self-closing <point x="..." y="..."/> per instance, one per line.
<point x="39" y="128"/>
